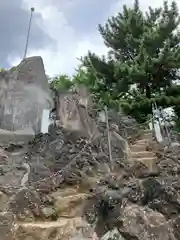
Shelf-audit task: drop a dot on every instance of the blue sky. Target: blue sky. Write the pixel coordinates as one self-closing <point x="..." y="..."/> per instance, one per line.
<point x="62" y="30"/>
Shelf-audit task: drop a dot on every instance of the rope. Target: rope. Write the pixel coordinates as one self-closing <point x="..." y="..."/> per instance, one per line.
<point x="69" y="164"/>
<point x="53" y="175"/>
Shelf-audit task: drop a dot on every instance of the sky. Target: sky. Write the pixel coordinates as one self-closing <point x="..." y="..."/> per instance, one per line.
<point x="61" y="31"/>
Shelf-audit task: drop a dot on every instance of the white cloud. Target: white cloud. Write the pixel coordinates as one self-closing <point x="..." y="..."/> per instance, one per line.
<point x="62" y="57"/>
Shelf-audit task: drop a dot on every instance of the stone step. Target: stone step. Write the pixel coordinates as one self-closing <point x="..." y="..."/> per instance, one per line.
<point x="137" y="147"/>
<point x="142" y="142"/>
<point x="142" y="154"/>
<point x="145" y="159"/>
<point x="147" y="131"/>
<point x="148" y="161"/>
<point x="147" y="136"/>
<point x="61" y="229"/>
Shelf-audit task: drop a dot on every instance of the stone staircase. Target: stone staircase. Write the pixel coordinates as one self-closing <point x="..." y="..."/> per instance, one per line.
<point x="69" y="203"/>
<point x="140" y="151"/>
<point x="69" y="225"/>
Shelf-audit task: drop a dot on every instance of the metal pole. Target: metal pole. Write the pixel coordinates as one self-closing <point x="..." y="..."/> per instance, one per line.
<point x="109" y="139"/>
<point x="28" y="34"/>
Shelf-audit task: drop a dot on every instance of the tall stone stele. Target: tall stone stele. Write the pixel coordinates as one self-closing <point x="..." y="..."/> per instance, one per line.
<point x="24" y="93"/>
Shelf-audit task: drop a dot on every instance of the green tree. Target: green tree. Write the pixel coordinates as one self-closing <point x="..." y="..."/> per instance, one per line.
<point x="144" y="51"/>
<point x="61" y="83"/>
<point x="88" y="78"/>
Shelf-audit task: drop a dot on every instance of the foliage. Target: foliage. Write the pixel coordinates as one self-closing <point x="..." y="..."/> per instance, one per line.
<point x="61" y="83"/>
<point x="142" y="64"/>
<point x="144" y="52"/>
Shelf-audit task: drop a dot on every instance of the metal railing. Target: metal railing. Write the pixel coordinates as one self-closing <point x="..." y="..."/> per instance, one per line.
<point x="160" y="123"/>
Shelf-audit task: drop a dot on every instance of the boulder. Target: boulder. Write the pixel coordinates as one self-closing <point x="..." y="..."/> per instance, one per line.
<point x="74" y="229"/>
<point x="6" y="226"/>
<point x="25" y="204"/>
<point x="113" y="234"/>
<point x="72" y="115"/>
<point x="143" y="223"/>
<point x="70" y="205"/>
<point x="3" y="201"/>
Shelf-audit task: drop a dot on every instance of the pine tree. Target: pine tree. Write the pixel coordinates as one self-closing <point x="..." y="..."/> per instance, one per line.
<point x="144" y="51"/>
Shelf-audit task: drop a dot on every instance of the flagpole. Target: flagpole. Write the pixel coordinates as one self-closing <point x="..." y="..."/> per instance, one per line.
<point x="28" y="34"/>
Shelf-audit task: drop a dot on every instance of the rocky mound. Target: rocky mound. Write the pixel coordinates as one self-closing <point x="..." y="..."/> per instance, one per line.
<point x="62" y="185"/>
